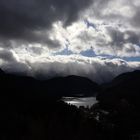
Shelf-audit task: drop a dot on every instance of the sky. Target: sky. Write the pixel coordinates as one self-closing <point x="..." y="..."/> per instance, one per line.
<point x="99" y="39"/>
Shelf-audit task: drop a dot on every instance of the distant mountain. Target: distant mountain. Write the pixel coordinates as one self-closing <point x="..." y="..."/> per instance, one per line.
<point x="1" y="72"/>
<point x="125" y="86"/>
<point x="71" y="86"/>
<point x="59" y="86"/>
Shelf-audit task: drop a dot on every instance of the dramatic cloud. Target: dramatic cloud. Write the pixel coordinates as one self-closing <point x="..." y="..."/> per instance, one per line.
<point x="46" y="38"/>
<point x="31" y="20"/>
<point x="108" y="26"/>
<point x="117" y="27"/>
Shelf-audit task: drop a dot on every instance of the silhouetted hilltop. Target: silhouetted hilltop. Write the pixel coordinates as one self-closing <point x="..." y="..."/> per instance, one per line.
<point x="59" y="86"/>
<point x="127" y="78"/>
<point x="121" y="100"/>
<point x="72" y="86"/>
<point x="1" y="72"/>
<point x="125" y="86"/>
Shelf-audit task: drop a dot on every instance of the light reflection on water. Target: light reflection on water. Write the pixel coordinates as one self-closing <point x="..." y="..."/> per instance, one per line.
<point x="80" y="101"/>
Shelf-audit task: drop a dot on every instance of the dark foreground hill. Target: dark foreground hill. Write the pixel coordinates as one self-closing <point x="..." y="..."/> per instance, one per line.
<point x="28" y="111"/>
<point x="121" y="100"/>
<point x="32" y="109"/>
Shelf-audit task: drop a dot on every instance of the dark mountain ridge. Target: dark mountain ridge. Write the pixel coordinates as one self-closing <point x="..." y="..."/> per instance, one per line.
<point x="125" y="86"/>
<point x="121" y="99"/>
<point x="72" y="85"/>
<point x="59" y="86"/>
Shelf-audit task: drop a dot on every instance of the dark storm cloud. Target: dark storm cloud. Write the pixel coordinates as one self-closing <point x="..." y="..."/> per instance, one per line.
<point x="7" y="56"/>
<point x="35" y="50"/>
<point x="119" y="38"/>
<point x="136" y="18"/>
<point x="18" y="68"/>
<point x="23" y="19"/>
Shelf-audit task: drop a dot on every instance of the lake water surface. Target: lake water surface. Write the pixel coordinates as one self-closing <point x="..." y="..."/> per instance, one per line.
<point x="80" y="101"/>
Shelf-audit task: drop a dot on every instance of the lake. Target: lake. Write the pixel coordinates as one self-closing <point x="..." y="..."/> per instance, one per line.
<point x="80" y="101"/>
